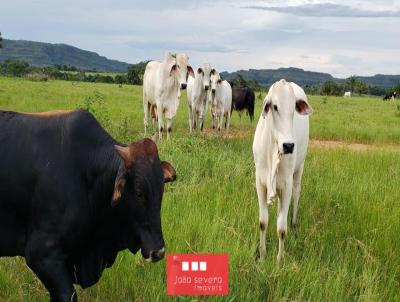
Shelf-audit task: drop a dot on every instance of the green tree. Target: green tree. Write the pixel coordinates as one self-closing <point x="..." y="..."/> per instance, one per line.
<point x="375" y="90"/>
<point x="331" y="88"/>
<point x="239" y="81"/>
<point x="14" y="68"/>
<point x="360" y="87"/>
<point x="135" y="73"/>
<point x="1" y="41"/>
<point x="351" y="83"/>
<point x="120" y="79"/>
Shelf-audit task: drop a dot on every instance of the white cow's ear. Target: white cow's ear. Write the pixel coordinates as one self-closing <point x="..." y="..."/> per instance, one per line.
<point x="303" y="107"/>
<point x="266" y="106"/>
<point x="190" y="71"/>
<point x="169" y="56"/>
<point x="173" y="70"/>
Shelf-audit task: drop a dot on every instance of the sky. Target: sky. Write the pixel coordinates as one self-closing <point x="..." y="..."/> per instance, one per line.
<point x="340" y="37"/>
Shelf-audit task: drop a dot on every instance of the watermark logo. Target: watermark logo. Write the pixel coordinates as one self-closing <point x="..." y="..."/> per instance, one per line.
<point x="197" y="274"/>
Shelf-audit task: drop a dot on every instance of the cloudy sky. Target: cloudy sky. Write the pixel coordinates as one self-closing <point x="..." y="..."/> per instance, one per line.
<point x="341" y="37"/>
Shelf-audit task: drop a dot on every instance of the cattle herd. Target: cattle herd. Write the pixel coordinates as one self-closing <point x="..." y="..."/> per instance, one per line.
<point x="162" y="85"/>
<point x="72" y="196"/>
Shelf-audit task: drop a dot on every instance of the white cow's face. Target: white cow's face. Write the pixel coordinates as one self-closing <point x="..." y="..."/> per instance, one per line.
<point x="207" y="76"/>
<point x="279" y="105"/>
<point x="214" y="78"/>
<point x="181" y="70"/>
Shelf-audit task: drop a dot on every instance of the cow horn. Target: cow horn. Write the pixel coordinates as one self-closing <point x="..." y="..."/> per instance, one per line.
<point x="154" y="138"/>
<point x="124" y="153"/>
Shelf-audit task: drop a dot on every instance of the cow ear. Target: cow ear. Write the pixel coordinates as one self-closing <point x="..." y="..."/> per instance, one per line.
<point x="190" y="71"/>
<point x="119" y="186"/>
<point x="199" y="70"/>
<point x="266" y="106"/>
<point x="303" y="107"/>
<point x="169" y="171"/>
<point x="173" y="70"/>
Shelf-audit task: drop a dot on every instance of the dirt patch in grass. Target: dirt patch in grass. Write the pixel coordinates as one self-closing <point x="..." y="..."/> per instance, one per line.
<point x="352" y="146"/>
<point x="234" y="133"/>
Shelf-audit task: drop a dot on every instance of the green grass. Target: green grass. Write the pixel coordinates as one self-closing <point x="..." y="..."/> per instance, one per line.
<point x="347" y="246"/>
<point x="359" y="119"/>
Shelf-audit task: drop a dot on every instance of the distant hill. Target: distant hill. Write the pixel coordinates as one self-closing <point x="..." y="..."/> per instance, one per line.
<point x="46" y="54"/>
<point x="382" y="80"/>
<point x="303" y="78"/>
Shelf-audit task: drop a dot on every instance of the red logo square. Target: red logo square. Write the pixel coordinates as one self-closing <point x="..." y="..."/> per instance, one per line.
<point x="198" y="274"/>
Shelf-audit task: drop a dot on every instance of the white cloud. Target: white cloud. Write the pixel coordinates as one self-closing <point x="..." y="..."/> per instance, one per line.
<point x="221" y="32"/>
<point x="321" y="10"/>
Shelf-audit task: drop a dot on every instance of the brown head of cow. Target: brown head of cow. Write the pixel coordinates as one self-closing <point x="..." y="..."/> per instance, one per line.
<point x="139" y="188"/>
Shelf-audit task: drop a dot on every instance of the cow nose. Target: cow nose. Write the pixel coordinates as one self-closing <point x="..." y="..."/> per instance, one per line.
<point x="288" y="148"/>
<point x="206" y="87"/>
<point x="157" y="255"/>
<point x="183" y="86"/>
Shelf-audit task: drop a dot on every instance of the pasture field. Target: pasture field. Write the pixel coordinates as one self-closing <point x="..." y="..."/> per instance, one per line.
<point x="347" y="246"/>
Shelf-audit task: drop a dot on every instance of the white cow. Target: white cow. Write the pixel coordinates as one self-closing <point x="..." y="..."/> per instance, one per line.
<point x="211" y="95"/>
<point x="221" y="101"/>
<point x="347" y="94"/>
<point x="197" y="93"/>
<point x="280" y="148"/>
<point x="162" y="82"/>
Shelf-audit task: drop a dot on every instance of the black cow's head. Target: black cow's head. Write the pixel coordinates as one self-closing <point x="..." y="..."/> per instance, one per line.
<point x="140" y="185"/>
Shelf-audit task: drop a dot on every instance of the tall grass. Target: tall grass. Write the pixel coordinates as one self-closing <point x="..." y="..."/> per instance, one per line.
<point x="347" y="245"/>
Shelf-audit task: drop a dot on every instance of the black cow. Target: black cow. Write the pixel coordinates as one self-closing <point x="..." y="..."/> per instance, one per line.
<point x="390" y="95"/>
<point x="71" y="197"/>
<point x="243" y="99"/>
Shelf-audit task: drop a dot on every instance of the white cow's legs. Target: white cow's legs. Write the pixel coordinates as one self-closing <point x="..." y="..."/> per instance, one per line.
<point x="283" y="210"/>
<point x="160" y="121"/>
<point x="190" y="120"/>
<point x="296" y="193"/>
<point x="201" y="123"/>
<point x="228" y="121"/>
<point x="146" y="107"/>
<point x="220" y="120"/>
<point x="263" y="216"/>
<point x="169" y="127"/>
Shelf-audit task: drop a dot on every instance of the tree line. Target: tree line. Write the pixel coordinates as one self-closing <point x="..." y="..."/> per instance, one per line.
<point x="16" y="68"/>
<point x="353" y="84"/>
<point x="134" y="76"/>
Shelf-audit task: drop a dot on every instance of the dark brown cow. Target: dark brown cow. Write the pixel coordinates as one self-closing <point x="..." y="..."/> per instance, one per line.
<point x="72" y="197"/>
<point x="243" y="100"/>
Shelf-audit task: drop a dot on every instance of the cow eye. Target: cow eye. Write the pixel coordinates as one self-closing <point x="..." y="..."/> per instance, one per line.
<point x="275" y="108"/>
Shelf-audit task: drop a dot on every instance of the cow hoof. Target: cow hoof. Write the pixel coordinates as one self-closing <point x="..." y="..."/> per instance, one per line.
<point x="260" y="255"/>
